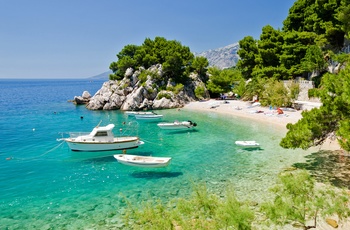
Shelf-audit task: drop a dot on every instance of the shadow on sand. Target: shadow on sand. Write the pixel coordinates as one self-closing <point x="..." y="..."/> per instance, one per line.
<point x="329" y="166"/>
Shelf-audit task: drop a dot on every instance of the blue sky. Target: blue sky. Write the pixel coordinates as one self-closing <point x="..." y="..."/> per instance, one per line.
<point x="80" y="38"/>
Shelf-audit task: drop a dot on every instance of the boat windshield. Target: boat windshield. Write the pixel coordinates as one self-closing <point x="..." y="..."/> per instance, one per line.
<point x="101" y="134"/>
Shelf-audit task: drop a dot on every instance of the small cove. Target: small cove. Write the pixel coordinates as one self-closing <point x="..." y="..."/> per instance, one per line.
<point x="47" y="185"/>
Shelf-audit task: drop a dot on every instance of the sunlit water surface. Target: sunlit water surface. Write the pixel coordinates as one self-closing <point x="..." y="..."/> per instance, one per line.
<point x="45" y="185"/>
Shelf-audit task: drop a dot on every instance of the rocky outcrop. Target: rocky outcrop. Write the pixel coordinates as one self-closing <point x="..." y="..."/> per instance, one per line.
<point x="83" y="99"/>
<point x="131" y="93"/>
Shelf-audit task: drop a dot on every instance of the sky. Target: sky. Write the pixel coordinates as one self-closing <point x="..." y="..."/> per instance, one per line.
<point x="58" y="39"/>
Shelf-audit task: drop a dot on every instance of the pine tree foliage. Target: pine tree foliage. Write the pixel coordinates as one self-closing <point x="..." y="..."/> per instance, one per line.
<point x="278" y="54"/>
<point x="333" y="117"/>
<point x="175" y="58"/>
<point x="220" y="81"/>
<point x="314" y="60"/>
<point x="270" y="47"/>
<point x="200" y="66"/>
<point x="343" y="15"/>
<point x="317" y="16"/>
<point x="294" y="50"/>
<point x="247" y="53"/>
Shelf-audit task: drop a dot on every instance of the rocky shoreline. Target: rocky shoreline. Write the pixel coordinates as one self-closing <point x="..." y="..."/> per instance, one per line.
<point x="131" y="93"/>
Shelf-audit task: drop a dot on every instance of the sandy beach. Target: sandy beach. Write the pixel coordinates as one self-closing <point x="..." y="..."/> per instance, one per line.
<point x="257" y="113"/>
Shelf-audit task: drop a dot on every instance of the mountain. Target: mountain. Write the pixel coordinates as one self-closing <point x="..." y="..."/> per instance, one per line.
<point x="224" y="57"/>
<point x="102" y="76"/>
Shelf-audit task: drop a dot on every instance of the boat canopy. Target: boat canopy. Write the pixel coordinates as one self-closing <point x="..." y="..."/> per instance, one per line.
<point x="100" y="131"/>
<point x="105" y="128"/>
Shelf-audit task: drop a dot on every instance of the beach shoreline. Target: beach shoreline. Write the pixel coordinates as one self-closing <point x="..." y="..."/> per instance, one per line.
<point x="245" y="110"/>
<point x="256" y="113"/>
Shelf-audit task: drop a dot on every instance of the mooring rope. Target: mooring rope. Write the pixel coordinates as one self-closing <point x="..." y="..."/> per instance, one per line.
<point x="151" y="142"/>
<point x="31" y="158"/>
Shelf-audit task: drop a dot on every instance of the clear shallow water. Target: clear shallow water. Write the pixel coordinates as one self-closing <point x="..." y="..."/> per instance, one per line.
<point x="45" y="185"/>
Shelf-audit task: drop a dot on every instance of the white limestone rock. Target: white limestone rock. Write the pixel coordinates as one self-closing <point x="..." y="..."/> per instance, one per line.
<point x="129" y="94"/>
<point x="86" y="95"/>
<point x="165" y="103"/>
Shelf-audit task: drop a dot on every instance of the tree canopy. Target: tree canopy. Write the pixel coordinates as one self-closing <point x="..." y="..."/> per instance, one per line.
<point x="248" y="50"/>
<point x="175" y="58"/>
<point x="317" y="16"/>
<point x="333" y="117"/>
<point x="279" y="53"/>
<point x="221" y="81"/>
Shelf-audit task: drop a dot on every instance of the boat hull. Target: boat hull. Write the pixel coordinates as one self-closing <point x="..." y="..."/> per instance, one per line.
<point x="149" y="117"/>
<point x="142" y="161"/>
<point x="247" y="144"/>
<point x="103" y="146"/>
<point x="174" y="127"/>
<point x="177" y="125"/>
<point x="133" y="113"/>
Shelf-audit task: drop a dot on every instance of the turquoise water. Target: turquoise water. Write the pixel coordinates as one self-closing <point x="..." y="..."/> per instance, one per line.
<point x="45" y="185"/>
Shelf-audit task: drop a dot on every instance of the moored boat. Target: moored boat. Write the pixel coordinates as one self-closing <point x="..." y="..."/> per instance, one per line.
<point x="248" y="144"/>
<point x="133" y="113"/>
<point x="143" y="161"/>
<point x="101" y="138"/>
<point x="150" y="117"/>
<point x="177" y="125"/>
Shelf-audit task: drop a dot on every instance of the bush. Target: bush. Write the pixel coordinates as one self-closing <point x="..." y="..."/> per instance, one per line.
<point x="200" y="211"/>
<point x="199" y="92"/>
<point x="163" y="94"/>
<point x="145" y="73"/>
<point x="299" y="200"/>
<point x="176" y="89"/>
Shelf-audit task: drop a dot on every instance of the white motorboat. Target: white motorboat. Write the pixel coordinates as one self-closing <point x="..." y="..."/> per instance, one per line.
<point x="101" y="138"/>
<point x="143" y="161"/>
<point x="133" y="113"/>
<point x="149" y="117"/>
<point x="177" y="125"/>
<point x="248" y="144"/>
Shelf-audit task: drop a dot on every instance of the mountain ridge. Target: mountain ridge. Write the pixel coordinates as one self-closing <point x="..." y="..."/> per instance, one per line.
<point x="101" y="76"/>
<point x="223" y="57"/>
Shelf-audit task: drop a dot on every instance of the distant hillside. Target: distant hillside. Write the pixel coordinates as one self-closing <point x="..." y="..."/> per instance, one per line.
<point x="102" y="76"/>
<point x="223" y="57"/>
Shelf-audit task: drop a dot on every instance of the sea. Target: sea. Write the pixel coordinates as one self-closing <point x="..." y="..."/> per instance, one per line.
<point x="45" y="185"/>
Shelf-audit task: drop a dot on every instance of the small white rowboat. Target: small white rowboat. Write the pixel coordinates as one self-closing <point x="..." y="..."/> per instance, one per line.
<point x="248" y="144"/>
<point x="177" y="125"/>
<point x="148" y="117"/>
<point x="143" y="161"/>
<point x="133" y="113"/>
